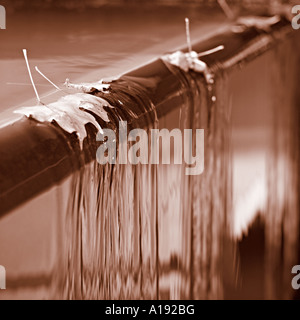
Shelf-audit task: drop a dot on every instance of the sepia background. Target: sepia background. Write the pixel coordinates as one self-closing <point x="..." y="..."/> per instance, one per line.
<point x="72" y="229"/>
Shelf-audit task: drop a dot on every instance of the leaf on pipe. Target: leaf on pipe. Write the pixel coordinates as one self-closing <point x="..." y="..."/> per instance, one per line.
<point x="69" y="113"/>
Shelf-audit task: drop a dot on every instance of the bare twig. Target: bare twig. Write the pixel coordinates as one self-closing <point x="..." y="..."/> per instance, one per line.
<point x="188" y="36"/>
<point x="30" y="75"/>
<point x="54" y="85"/>
<point x="208" y="52"/>
<point x="227" y="10"/>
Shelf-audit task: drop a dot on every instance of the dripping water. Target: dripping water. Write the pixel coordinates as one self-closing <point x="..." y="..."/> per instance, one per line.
<point x="151" y="232"/>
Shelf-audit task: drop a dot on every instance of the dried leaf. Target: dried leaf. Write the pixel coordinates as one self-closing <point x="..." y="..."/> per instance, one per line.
<point x="69" y="113"/>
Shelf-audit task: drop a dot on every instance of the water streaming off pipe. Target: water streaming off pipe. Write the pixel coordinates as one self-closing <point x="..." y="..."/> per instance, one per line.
<point x="150" y="231"/>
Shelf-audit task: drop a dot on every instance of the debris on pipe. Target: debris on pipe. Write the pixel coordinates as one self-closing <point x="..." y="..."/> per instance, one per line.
<point x="190" y="60"/>
<point x="69" y="112"/>
<point x="261" y="23"/>
<point x="88" y="87"/>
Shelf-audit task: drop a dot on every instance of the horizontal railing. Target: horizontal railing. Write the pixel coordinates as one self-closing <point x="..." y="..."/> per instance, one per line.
<point x="34" y="156"/>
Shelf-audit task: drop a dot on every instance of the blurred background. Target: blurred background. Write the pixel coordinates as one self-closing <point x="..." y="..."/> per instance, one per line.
<point x="71" y="4"/>
<point x="93" y="39"/>
<point x="252" y="160"/>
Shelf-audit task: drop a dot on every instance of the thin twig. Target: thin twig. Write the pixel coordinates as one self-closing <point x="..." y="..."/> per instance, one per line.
<point x="54" y="85"/>
<point x="188" y="36"/>
<point x="227" y="10"/>
<point x="30" y="75"/>
<point x="208" y="52"/>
